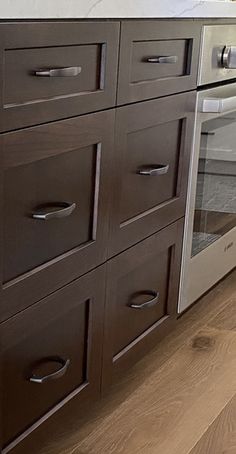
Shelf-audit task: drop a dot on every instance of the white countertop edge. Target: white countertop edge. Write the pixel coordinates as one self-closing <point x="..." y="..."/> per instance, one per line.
<point x="98" y="9"/>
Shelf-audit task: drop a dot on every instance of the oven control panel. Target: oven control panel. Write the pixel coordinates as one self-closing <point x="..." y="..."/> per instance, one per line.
<point x="218" y="54"/>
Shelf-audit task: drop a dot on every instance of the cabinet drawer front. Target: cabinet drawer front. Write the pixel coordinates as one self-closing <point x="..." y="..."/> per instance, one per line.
<point x="51" y="353"/>
<point x="55" y="204"/>
<point x="153" y="144"/>
<point x="157" y="58"/>
<point x="141" y="300"/>
<point x="141" y="297"/>
<point x="145" y="68"/>
<point x="56" y="70"/>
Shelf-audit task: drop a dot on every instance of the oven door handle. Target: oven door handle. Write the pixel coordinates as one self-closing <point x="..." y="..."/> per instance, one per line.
<point x="218" y="105"/>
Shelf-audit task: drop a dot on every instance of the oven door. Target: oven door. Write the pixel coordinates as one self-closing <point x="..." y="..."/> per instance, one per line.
<point x="210" y="228"/>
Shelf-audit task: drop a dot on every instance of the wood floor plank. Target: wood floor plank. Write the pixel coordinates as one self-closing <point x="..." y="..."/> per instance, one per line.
<point x="220" y="438"/>
<point x="226" y="319"/>
<point x="168" y="413"/>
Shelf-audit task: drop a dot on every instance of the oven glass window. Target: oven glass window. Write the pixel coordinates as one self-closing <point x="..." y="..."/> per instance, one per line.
<point x="215" y="205"/>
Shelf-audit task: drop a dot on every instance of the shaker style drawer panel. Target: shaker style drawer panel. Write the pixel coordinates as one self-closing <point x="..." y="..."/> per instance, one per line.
<point x="173" y="65"/>
<point x="141" y="298"/>
<point x="153" y="145"/>
<point x="56" y="70"/>
<point x="157" y="59"/>
<point x="51" y="353"/>
<point x="55" y="205"/>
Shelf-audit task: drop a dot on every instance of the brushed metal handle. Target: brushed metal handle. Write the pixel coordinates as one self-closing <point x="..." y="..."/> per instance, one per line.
<point x="218" y="105"/>
<point x="229" y="57"/>
<point x="70" y="71"/>
<point x="163" y="59"/>
<point x="45" y="213"/>
<point x="149" y="303"/>
<point x="153" y="170"/>
<point x="54" y="375"/>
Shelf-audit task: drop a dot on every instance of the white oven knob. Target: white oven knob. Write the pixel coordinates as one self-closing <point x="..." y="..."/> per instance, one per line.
<point x="229" y="57"/>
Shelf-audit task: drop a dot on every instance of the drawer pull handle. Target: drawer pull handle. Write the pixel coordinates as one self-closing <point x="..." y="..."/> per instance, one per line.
<point x="45" y="213"/>
<point x="163" y="59"/>
<point x="154" y="170"/>
<point x="54" y="375"/>
<point x="151" y="302"/>
<point x="71" y="71"/>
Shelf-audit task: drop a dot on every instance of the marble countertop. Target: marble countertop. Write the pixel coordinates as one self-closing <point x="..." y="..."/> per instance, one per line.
<point x="56" y="9"/>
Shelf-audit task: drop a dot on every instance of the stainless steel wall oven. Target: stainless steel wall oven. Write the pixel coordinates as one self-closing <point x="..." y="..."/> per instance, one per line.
<point x="210" y="230"/>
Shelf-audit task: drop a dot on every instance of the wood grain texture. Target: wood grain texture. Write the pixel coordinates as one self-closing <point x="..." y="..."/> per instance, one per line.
<point x="52" y="329"/>
<point x="153" y="133"/>
<point x="226" y="319"/>
<point x="130" y="333"/>
<point x="171" y="400"/>
<point x="140" y="40"/>
<point x="220" y="438"/>
<point x="62" y="155"/>
<point x="167" y="402"/>
<point x="30" y="46"/>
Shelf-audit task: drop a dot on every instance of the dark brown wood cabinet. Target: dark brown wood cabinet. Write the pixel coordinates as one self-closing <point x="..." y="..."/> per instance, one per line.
<point x="60" y="170"/>
<point x="141" y="300"/>
<point x="157" y="58"/>
<point x="93" y="178"/>
<point x="152" y="153"/>
<point x="30" y="50"/>
<point x="51" y="353"/>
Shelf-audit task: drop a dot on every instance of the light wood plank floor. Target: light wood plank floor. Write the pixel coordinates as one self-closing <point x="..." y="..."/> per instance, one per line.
<point x="180" y="399"/>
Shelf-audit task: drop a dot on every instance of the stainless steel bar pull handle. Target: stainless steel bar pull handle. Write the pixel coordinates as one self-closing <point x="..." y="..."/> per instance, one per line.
<point x="54" y="375"/>
<point x="54" y="211"/>
<point x="218" y="105"/>
<point x="163" y="59"/>
<point x="149" y="303"/>
<point x="70" y="71"/>
<point x="153" y="170"/>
